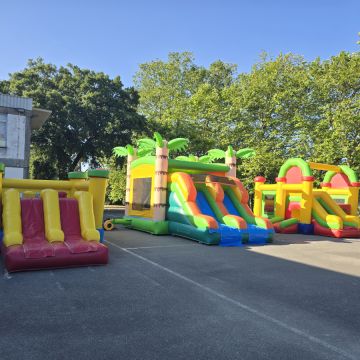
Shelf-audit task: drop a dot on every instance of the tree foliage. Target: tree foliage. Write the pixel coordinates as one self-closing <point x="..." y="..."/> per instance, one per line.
<point x="91" y="113"/>
<point x="284" y="107"/>
<point x="182" y="99"/>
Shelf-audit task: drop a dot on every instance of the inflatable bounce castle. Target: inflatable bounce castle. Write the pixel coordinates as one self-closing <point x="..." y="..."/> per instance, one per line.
<point x="201" y="201"/>
<point x="53" y="223"/>
<point x="294" y="205"/>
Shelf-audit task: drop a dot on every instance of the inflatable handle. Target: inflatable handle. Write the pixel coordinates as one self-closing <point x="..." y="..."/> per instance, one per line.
<point x="12" y="218"/>
<point x="87" y="218"/>
<point x="52" y="221"/>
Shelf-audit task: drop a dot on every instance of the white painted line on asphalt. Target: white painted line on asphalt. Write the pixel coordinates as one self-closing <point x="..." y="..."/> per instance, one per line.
<point x="7" y="276"/>
<point x="154" y="247"/>
<point x="242" y="306"/>
<point x="59" y="286"/>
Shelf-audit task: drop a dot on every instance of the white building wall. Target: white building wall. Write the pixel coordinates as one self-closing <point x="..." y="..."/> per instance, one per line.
<point x="15" y="138"/>
<point x="16" y="102"/>
<point x="14" y="172"/>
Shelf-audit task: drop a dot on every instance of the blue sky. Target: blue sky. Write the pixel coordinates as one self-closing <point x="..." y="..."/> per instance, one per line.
<point x="116" y="36"/>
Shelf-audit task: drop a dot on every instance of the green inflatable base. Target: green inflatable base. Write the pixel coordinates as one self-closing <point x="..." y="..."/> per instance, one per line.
<point x="150" y="226"/>
<point x="190" y="232"/>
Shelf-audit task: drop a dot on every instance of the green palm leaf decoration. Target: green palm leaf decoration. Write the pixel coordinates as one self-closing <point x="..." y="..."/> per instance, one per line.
<point x="146" y="143"/>
<point x="216" y="154"/>
<point x="145" y="152"/>
<point x="183" y="158"/>
<point x="120" y="151"/>
<point x="245" y="153"/>
<point x="205" y="159"/>
<point x="187" y="158"/>
<point x="230" y="151"/>
<point x="159" y="140"/>
<point x="178" y="144"/>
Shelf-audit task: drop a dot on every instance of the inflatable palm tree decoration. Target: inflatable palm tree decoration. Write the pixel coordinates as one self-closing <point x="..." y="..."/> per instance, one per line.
<point x="120" y="151"/>
<point x="161" y="148"/>
<point x="230" y="156"/>
<point x="149" y="146"/>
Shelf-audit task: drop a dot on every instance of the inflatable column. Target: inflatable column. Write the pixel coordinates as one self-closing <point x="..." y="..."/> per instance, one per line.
<point x="258" y="201"/>
<point x="230" y="161"/>
<point x="280" y="201"/>
<point x="130" y="159"/>
<point x="97" y="188"/>
<point x="160" y="186"/>
<point x="305" y="226"/>
<point x="2" y="170"/>
<point x="353" y="198"/>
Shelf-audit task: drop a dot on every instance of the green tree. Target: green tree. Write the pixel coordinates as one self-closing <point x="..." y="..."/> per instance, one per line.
<point x="182" y="99"/>
<point x="90" y="114"/>
<point x="268" y="111"/>
<point x="336" y="91"/>
<point x="284" y="107"/>
<point x="116" y="189"/>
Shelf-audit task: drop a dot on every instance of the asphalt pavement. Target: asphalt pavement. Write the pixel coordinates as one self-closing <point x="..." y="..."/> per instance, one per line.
<point x="171" y="298"/>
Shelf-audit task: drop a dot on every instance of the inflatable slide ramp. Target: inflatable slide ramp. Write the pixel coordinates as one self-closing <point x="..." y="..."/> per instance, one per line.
<point x="213" y="210"/>
<point x="50" y="232"/>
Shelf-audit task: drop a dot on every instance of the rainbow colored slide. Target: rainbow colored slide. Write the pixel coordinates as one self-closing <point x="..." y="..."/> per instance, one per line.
<point x="213" y="210"/>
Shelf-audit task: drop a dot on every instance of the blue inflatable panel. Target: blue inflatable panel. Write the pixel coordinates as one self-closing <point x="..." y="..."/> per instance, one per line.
<point x="306" y="229"/>
<point x="228" y="236"/>
<point x="257" y="235"/>
<point x="204" y="206"/>
<point x="229" y="205"/>
<point x="101" y="231"/>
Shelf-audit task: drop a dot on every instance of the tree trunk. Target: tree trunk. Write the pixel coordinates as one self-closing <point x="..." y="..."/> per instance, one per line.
<point x="76" y="161"/>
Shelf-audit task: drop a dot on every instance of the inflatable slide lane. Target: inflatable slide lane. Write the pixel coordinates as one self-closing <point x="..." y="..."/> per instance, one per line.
<point x="236" y="198"/>
<point x="329" y="219"/>
<point x="213" y="209"/>
<point x="52" y="231"/>
<point x="184" y="215"/>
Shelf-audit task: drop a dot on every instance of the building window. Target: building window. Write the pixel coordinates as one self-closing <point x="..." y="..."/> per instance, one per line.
<point x="141" y="194"/>
<point x="3" y="118"/>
